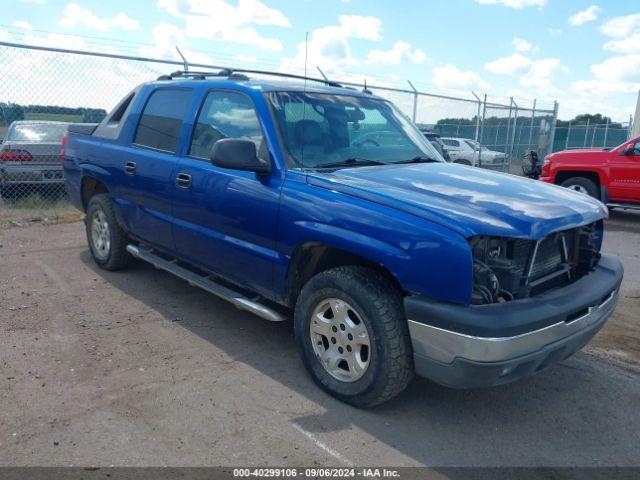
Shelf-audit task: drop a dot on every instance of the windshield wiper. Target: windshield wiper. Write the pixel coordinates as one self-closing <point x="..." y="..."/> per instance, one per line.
<point x="418" y="159"/>
<point x="349" y="162"/>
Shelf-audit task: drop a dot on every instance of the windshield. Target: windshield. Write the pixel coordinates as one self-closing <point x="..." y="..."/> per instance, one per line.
<point x="320" y="129"/>
<point x="473" y="144"/>
<point x="37" y="132"/>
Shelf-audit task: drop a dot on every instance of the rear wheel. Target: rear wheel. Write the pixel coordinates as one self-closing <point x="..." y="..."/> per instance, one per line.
<point x="581" y="185"/>
<point x="352" y="335"/>
<point x="107" y="240"/>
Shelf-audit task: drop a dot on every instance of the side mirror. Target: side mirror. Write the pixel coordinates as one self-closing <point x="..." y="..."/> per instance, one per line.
<point x="238" y="154"/>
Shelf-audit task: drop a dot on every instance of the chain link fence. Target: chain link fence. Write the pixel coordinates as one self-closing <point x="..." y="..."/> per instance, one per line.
<point x="44" y="89"/>
<point x="600" y="135"/>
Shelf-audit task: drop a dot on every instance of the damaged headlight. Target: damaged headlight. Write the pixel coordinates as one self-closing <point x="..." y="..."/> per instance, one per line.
<point x="505" y="269"/>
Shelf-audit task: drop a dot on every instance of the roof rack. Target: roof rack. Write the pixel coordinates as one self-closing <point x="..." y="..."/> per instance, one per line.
<point x="238" y="74"/>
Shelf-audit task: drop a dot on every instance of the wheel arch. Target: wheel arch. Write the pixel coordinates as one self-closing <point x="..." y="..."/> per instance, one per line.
<point x="311" y="258"/>
<point x="563" y="175"/>
<point x="91" y="186"/>
<point x="594" y="176"/>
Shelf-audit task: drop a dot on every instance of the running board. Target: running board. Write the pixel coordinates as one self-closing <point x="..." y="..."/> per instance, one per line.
<point x="240" y="301"/>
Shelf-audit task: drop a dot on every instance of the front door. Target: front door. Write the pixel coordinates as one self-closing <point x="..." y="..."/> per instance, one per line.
<point x="226" y="219"/>
<point x="624" y="173"/>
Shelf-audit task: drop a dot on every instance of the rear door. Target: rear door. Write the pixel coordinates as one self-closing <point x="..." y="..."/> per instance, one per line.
<point x="148" y="167"/>
<point x="226" y="219"/>
<point x="624" y="176"/>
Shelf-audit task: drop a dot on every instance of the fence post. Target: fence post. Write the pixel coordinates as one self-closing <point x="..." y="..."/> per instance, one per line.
<point x="415" y="100"/>
<point x="566" y="142"/>
<point x="477" y="117"/>
<point x="484" y="113"/>
<point x="554" y="121"/>
<point x="508" y="135"/>
<point x="512" y="140"/>
<point x="586" y="134"/>
<point x="606" y="131"/>
<point x="533" y="117"/>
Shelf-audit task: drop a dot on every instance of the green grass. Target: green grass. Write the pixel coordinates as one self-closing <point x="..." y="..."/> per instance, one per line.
<point x="54" y="117"/>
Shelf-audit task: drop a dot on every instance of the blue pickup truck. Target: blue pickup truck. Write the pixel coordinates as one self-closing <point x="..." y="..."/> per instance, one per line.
<point x="327" y="205"/>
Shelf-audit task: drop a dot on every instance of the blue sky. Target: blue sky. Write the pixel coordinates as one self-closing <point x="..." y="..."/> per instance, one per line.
<point x="585" y="54"/>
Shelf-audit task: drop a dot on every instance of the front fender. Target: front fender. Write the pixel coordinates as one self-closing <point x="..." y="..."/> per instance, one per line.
<point x="424" y="257"/>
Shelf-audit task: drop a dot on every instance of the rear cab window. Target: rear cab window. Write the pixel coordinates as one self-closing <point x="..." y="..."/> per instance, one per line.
<point x="162" y="118"/>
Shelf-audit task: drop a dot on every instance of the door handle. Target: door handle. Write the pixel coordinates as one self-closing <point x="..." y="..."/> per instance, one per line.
<point x="130" y="168"/>
<point x="183" y="180"/>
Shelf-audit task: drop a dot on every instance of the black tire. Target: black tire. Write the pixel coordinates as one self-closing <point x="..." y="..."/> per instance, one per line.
<point x="577" y="183"/>
<point x="116" y="257"/>
<point x="379" y="304"/>
<point x="462" y="161"/>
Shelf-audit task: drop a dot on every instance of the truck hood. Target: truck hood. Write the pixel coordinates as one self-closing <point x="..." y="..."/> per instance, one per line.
<point x="577" y="152"/>
<point x="468" y="200"/>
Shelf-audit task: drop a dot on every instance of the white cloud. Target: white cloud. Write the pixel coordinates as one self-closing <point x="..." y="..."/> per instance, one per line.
<point x="400" y="52"/>
<point x="555" y="32"/>
<point x="5" y="36"/>
<point x="22" y="25"/>
<point x="589" y="14"/>
<point x="625" y="68"/>
<point x="509" y="65"/>
<point x="626" y="45"/>
<point x="619" y="74"/>
<point x="517" y="4"/>
<point x="216" y="19"/>
<point x="166" y="36"/>
<point x="451" y="77"/>
<point x="620" y="27"/>
<point x="329" y="47"/>
<point x="74" y="15"/>
<point x="522" y="45"/>
<point x="534" y="74"/>
<point x="541" y="74"/>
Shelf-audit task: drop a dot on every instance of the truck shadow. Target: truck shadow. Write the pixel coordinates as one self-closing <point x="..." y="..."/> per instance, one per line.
<point x="583" y="411"/>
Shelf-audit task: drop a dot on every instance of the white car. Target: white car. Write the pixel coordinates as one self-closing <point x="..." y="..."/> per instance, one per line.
<point x="465" y="150"/>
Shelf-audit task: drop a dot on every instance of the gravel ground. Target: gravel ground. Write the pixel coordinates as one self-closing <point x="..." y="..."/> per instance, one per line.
<point x="138" y="368"/>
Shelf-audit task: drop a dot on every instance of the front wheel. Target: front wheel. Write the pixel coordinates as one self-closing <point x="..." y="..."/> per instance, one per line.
<point x="353" y="336"/>
<point x="581" y="185"/>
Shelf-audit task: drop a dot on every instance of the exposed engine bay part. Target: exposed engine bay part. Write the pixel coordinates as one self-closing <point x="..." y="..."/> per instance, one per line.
<point x="505" y="269"/>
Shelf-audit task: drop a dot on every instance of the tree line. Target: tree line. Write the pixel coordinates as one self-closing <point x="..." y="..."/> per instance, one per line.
<point x="10" y="112"/>
<point x="582" y="119"/>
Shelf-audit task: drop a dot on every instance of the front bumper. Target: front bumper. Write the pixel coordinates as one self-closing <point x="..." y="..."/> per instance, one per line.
<point x="476" y="346"/>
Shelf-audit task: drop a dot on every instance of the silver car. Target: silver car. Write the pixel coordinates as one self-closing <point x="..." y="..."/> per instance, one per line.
<point x="30" y="156"/>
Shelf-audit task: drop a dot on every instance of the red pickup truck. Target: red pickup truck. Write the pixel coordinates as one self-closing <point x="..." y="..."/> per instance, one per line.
<point x="613" y="176"/>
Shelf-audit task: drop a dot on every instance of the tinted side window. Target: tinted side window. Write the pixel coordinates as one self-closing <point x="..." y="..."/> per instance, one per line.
<point x="161" y="120"/>
<point x="226" y="115"/>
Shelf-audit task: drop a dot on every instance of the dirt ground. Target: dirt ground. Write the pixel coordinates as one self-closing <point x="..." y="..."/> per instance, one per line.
<point x="138" y="368"/>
